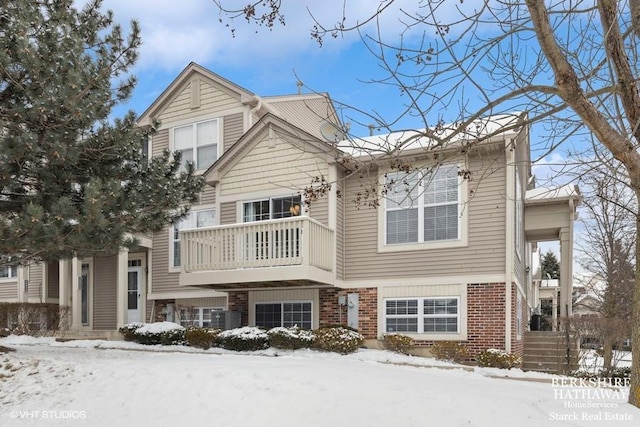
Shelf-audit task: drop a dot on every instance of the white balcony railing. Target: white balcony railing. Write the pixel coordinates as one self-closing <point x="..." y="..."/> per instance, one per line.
<point x="254" y="245"/>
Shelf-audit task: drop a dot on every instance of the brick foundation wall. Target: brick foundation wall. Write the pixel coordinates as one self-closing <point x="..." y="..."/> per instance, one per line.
<point x="239" y="301"/>
<point x="485" y="316"/>
<point x="331" y="313"/>
<point x="160" y="305"/>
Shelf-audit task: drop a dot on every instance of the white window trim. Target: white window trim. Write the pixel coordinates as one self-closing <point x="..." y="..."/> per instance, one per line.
<point x="255" y="303"/>
<point x="176" y="269"/>
<point x="194" y="125"/>
<point x="13" y="276"/>
<point x="421" y="335"/>
<point x="463" y="222"/>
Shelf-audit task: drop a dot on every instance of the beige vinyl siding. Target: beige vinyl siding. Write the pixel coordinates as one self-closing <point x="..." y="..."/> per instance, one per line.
<point x="163" y="280"/>
<point x="35" y="282"/>
<point x="150" y="311"/>
<point x="159" y="142"/>
<point x="213" y="302"/>
<point x="105" y="293"/>
<point x="340" y="230"/>
<point x="484" y="254"/>
<point x="53" y="280"/>
<point x="228" y="213"/>
<point x="422" y="291"/>
<point x="319" y="210"/>
<point x="522" y="161"/>
<point x="233" y="129"/>
<point x="214" y="101"/>
<point x="286" y="295"/>
<point x="275" y="167"/>
<point x="207" y="197"/>
<point x="8" y="290"/>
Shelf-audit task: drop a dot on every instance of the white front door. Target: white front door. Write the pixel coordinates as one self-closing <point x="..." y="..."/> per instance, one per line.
<point x="134" y="289"/>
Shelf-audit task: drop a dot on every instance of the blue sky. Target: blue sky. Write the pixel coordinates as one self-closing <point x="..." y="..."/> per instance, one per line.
<point x="267" y="62"/>
<point x="270" y="62"/>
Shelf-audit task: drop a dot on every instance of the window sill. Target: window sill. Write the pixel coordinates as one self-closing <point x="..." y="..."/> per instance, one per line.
<point x="424" y="246"/>
<point x="433" y="337"/>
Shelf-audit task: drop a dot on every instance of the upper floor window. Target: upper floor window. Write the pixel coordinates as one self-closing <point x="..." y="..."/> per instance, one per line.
<point x="274" y="208"/>
<point x="195" y="219"/>
<point x="423" y="207"/>
<point x="7" y="272"/>
<point x="198" y="143"/>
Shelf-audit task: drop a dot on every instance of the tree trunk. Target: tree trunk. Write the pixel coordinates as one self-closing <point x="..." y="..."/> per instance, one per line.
<point x="634" y="392"/>
<point x="607" y="348"/>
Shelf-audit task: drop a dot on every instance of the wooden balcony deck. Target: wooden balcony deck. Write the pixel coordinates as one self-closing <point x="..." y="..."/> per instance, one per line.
<point x="289" y="251"/>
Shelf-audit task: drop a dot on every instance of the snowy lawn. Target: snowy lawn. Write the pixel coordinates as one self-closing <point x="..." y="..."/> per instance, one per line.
<point x="98" y="383"/>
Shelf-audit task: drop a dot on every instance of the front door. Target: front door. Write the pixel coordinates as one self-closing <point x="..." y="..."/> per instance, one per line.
<point x="134" y="289"/>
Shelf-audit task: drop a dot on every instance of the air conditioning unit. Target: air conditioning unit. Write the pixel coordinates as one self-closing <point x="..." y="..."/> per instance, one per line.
<point x="225" y="319"/>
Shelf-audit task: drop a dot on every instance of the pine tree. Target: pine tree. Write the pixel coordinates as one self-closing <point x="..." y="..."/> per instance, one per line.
<point x="73" y="181"/>
<point x="550" y="266"/>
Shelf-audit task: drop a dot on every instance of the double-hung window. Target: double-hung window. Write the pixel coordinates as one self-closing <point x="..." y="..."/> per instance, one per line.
<point x="423" y="207"/>
<point x="198" y="143"/>
<point x="195" y="219"/>
<point x="7" y="272"/>
<point x="437" y="315"/>
<point x="287" y="314"/>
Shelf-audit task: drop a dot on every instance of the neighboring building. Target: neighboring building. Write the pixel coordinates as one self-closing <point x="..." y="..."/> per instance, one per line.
<point x="453" y="264"/>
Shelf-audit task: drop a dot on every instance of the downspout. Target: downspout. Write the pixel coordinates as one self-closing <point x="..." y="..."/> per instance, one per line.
<point x="509" y="235"/>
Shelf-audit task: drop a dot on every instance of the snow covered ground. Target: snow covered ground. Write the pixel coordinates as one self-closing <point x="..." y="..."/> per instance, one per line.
<point x="98" y="383"/>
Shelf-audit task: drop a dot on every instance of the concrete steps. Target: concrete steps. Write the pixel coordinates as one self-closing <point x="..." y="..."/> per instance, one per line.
<point x="547" y="351"/>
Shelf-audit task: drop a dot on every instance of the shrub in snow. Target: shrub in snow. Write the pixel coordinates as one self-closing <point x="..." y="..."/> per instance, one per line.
<point x="290" y="338"/>
<point x="4" y="332"/>
<point x="398" y="343"/>
<point x="201" y="337"/>
<point x="165" y="333"/>
<point x="337" y="339"/>
<point x="494" y="358"/>
<point x="452" y="351"/>
<point x="247" y="338"/>
<point x="128" y="330"/>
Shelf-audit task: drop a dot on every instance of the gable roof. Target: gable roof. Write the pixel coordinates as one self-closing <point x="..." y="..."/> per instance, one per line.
<point x="185" y="76"/>
<point x="305" y="111"/>
<point x="267" y="123"/>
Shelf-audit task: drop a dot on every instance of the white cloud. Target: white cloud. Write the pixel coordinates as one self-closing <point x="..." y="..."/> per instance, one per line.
<point x="175" y="33"/>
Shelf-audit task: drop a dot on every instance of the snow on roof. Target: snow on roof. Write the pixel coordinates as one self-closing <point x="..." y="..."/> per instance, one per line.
<point x="448" y="134"/>
<point x="567" y="191"/>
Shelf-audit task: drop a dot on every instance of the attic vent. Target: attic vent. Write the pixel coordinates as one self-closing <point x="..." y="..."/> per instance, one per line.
<point x="195" y="93"/>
